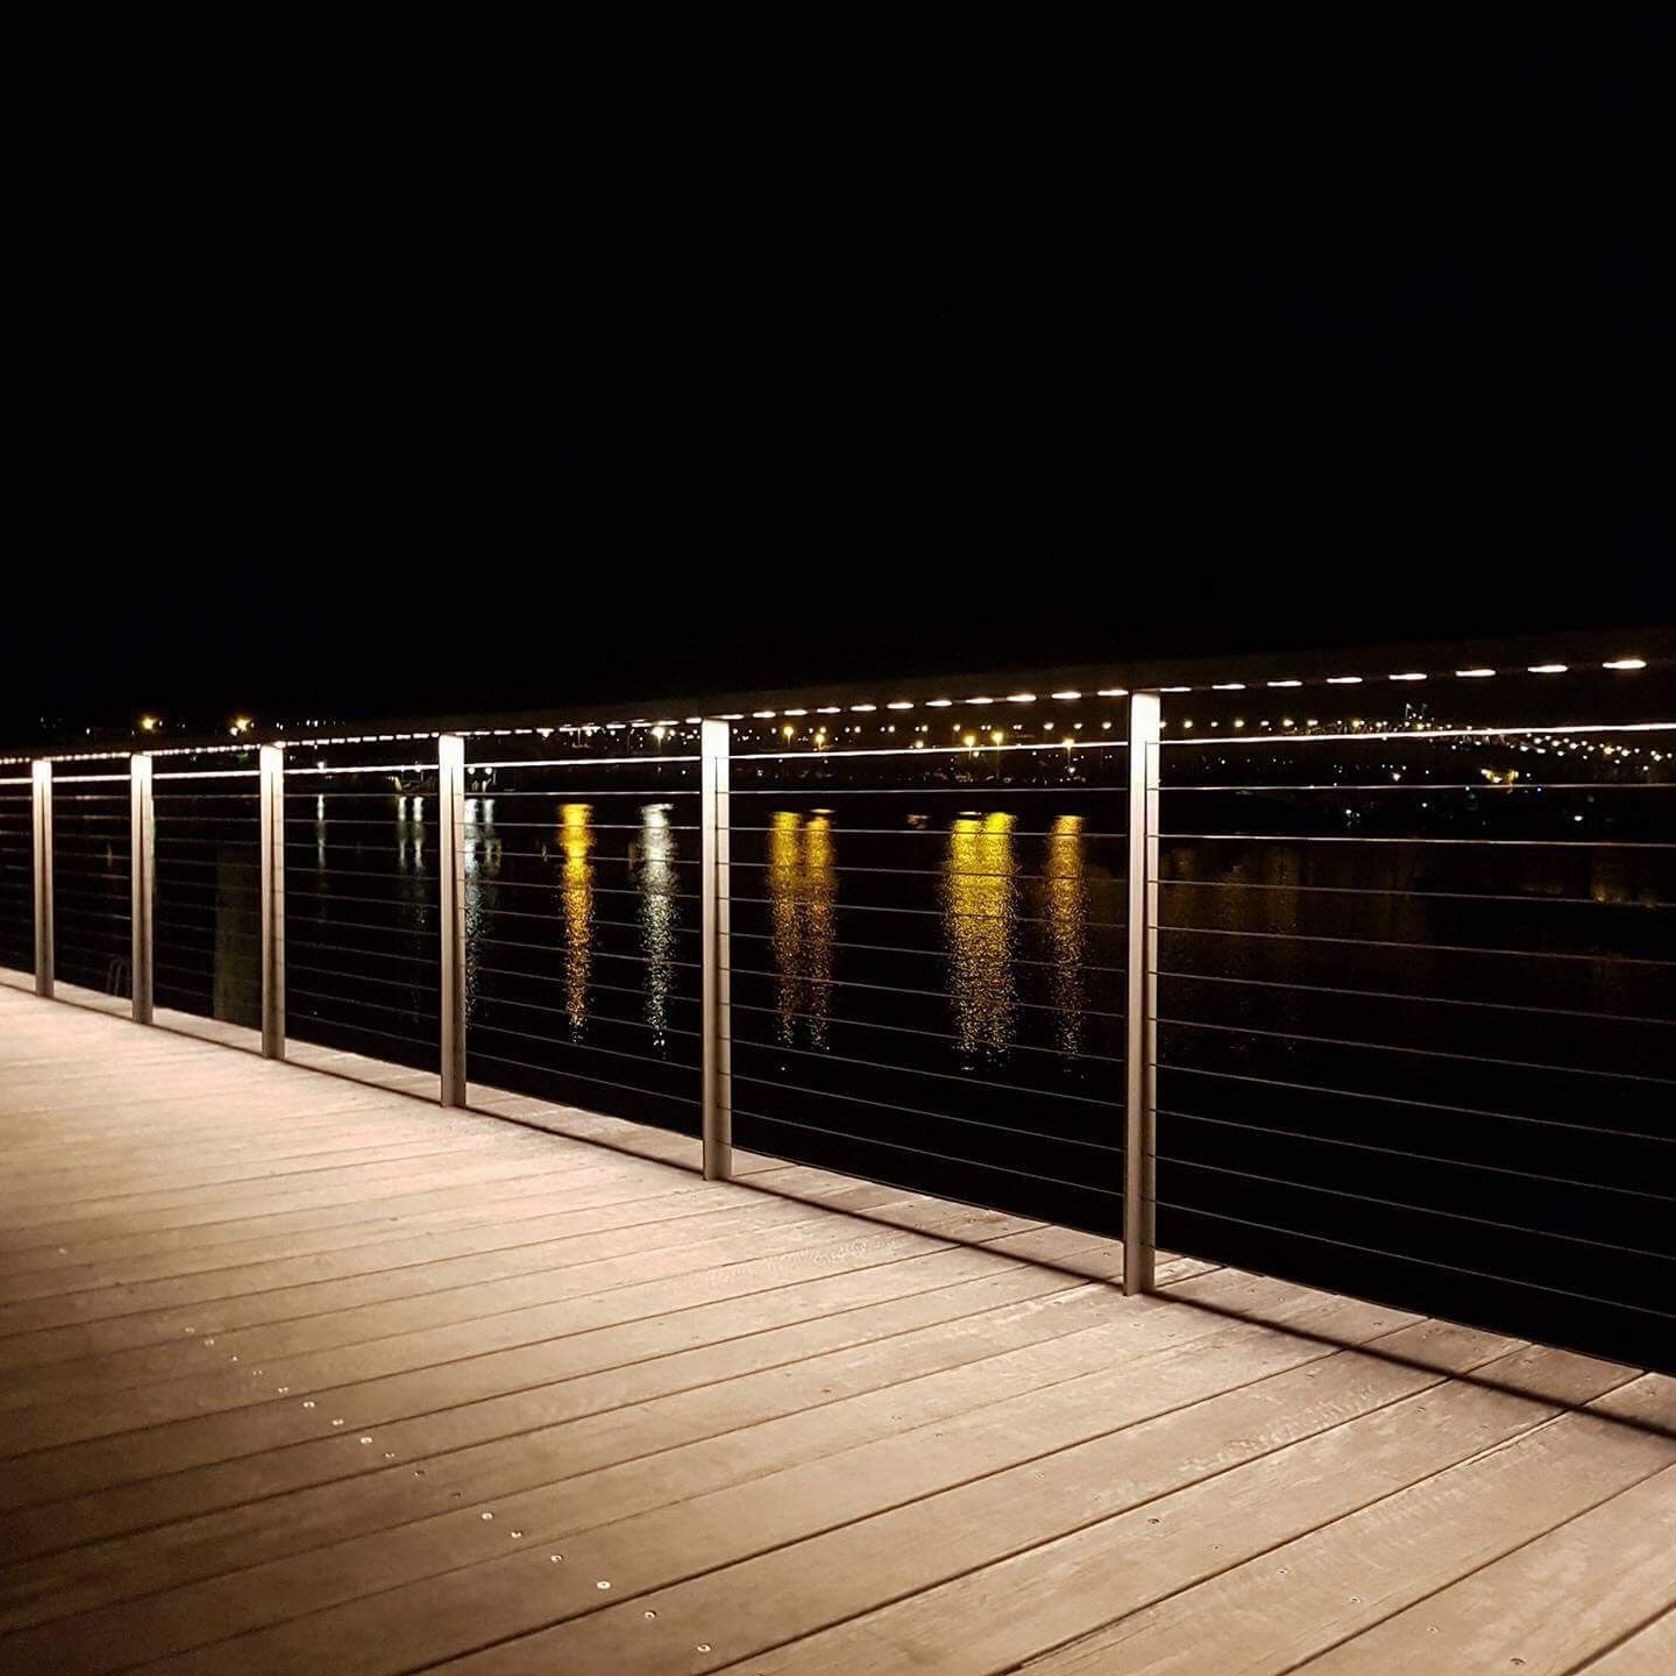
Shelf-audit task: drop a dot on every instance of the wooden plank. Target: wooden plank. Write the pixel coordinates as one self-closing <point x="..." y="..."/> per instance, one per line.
<point x="127" y="1263"/>
<point x="795" y="1590"/>
<point x="400" y="1204"/>
<point x="1614" y="1567"/>
<point x="110" y="1318"/>
<point x="1005" y="1614"/>
<point x="1651" y="1651"/>
<point x="164" y="1428"/>
<point x="343" y="1310"/>
<point x="690" y="1507"/>
<point x="1031" y="1308"/>
<point x="268" y="1451"/>
<point x="1269" y="1613"/>
<point x="419" y="1331"/>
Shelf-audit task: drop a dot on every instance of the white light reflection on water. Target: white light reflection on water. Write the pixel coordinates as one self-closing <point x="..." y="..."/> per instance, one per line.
<point x="802" y="893"/>
<point x="481" y="857"/>
<point x="575" y="836"/>
<point x="980" y="925"/>
<point x="1066" y="890"/>
<point x="660" y="910"/>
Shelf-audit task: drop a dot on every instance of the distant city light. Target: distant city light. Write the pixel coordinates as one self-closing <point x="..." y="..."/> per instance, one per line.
<point x="1410" y="677"/>
<point x="1548" y="668"/>
<point x="1625" y="663"/>
<point x="1473" y="674"/>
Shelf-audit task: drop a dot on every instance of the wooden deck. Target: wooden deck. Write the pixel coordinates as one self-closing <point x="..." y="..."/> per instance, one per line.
<point x="302" y="1375"/>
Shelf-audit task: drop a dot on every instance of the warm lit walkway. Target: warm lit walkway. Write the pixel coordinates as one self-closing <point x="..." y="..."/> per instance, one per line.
<point x="298" y="1375"/>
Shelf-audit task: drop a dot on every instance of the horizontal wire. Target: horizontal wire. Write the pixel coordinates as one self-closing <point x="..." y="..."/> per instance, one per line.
<point x="1033" y="1135"/>
<point x="961" y="1080"/>
<point x="1409" y="1257"/>
<point x="485" y="824"/>
<point x="420" y="906"/>
<point x="553" y="916"/>
<point x="1178" y="1116"/>
<point x="602" y="1019"/>
<point x="292" y="773"/>
<point x="1567" y="730"/>
<point x="581" y="1076"/>
<point x="1451" y="843"/>
<point x="1410" y="1104"/>
<point x="584" y="1047"/>
<point x="319" y="1021"/>
<point x="841" y="944"/>
<point x="996" y="788"/>
<point x="480" y="938"/>
<point x="1351" y="786"/>
<point x="925" y="1152"/>
<point x="578" y="794"/>
<point x="914" y="752"/>
<point x="358" y="977"/>
<point x="297" y="990"/>
<point x="1419" y="1052"/>
<point x="1413" y="999"/>
<point x="946" y="1037"/>
<point x="1423" y="948"/>
<point x="941" y="995"/>
<point x="644" y="892"/>
<point x="1530" y="899"/>
<point x="1081" y="834"/>
<point x="935" y="874"/>
<point x="320" y="922"/>
<point x="650" y="761"/>
<point x="356" y="953"/>
<point x="1421" y="1210"/>
<point x="940" y="913"/>
<point x="593" y="986"/>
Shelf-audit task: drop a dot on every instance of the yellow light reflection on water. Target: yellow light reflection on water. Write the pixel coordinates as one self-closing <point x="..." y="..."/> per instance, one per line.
<point x="576" y="895"/>
<point x="1066" y="888"/>
<point x="802" y="896"/>
<point x="980" y="925"/>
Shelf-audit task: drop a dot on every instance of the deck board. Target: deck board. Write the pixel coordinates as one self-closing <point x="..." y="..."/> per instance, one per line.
<point x="800" y="1422"/>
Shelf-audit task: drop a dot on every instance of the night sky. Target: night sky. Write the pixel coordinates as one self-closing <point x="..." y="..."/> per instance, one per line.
<point x="1277" y="345"/>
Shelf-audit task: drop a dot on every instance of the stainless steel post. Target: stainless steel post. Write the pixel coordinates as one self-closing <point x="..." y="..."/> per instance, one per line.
<point x="41" y="821"/>
<point x="272" y="784"/>
<point x="451" y="821"/>
<point x="716" y="894"/>
<point x="142" y="850"/>
<point x="1141" y="1058"/>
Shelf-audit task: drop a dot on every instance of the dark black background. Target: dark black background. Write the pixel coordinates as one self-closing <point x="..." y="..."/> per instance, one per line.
<point x="427" y="394"/>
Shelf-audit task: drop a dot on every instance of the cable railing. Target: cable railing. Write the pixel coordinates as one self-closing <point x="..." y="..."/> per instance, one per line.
<point x="927" y="970"/>
<point x="92" y="888"/>
<point x="1360" y="988"/>
<point x="1417" y="1026"/>
<point x="582" y="927"/>
<point x="362" y="848"/>
<point x="17" y="873"/>
<point x="207" y="904"/>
